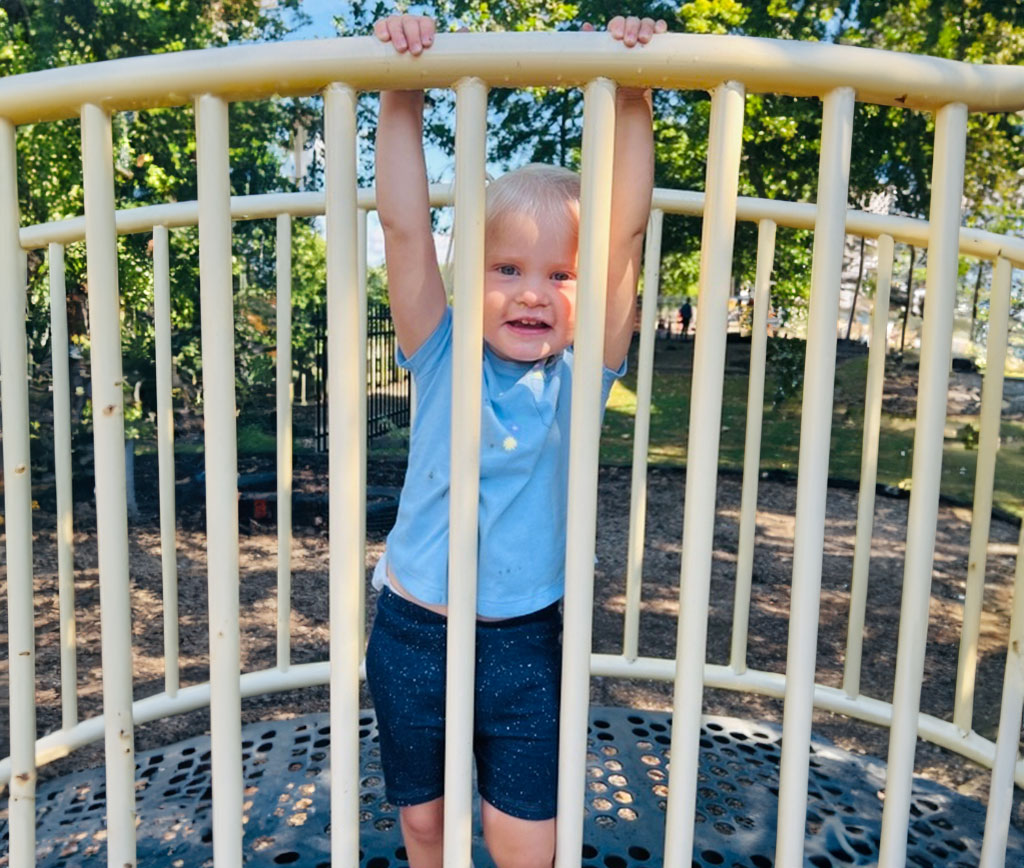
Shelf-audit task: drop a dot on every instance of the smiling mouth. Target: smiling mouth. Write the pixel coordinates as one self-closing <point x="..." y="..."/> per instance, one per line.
<point x="528" y="325"/>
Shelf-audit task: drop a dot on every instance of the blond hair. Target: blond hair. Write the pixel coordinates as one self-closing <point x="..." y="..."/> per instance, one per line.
<point x="537" y="190"/>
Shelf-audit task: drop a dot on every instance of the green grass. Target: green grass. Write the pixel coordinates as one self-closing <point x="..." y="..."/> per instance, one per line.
<point x="780" y="438"/>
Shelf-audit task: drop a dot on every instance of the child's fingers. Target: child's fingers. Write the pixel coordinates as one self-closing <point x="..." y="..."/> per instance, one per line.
<point x="396" y="33"/>
<point x="587" y="27"/>
<point x="427" y="31"/>
<point x="617" y="27"/>
<point x="414" y="35"/>
<point x="380" y="30"/>
<point x="631" y="31"/>
<point x="648" y="27"/>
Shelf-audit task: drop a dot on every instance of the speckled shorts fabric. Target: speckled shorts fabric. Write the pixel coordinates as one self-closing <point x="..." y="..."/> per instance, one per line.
<point x="518" y="670"/>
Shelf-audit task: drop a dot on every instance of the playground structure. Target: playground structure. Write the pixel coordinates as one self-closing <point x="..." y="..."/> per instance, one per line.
<point x="729" y="67"/>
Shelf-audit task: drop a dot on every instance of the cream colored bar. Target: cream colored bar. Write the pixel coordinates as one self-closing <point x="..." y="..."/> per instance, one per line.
<point x="868" y="469"/>
<point x="797" y="215"/>
<point x="1000" y="794"/>
<point x="812" y="478"/>
<point x="347" y="456"/>
<point x="724" y="145"/>
<point x="62" y="472"/>
<point x="752" y="444"/>
<point x="159" y="706"/>
<point x="221" y="452"/>
<point x="21" y="644"/>
<point x="361" y="405"/>
<point x="984" y="478"/>
<point x="284" y="439"/>
<point x="165" y="452"/>
<point x="111" y="507"/>
<point x="584" y="442"/>
<point x="642" y="435"/>
<point x="467" y="376"/>
<point x="673" y="60"/>
<point x="944" y="219"/>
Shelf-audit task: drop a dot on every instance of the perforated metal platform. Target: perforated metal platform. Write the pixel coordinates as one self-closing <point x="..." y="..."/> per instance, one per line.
<point x="288" y="813"/>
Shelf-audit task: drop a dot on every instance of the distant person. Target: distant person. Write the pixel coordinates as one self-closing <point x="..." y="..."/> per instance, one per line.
<point x="686" y="314"/>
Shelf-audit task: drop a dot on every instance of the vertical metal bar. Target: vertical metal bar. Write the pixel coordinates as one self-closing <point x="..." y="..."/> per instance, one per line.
<point x="111" y="499"/>
<point x="988" y="446"/>
<point x="724" y="146"/>
<point x="752" y="444"/>
<point x="347" y="453"/>
<point x="62" y="472"/>
<point x="1000" y="794"/>
<point x="361" y="403"/>
<point x="17" y="512"/>
<point x="467" y="375"/>
<point x="812" y="478"/>
<point x="584" y="446"/>
<point x="165" y="453"/>
<point x="943" y="236"/>
<point x="284" y="439"/>
<point x="642" y="435"/>
<point x="221" y="447"/>
<point x="868" y="469"/>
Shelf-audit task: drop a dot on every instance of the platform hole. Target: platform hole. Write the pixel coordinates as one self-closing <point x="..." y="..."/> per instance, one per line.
<point x="378" y="862"/>
<point x="602" y="724"/>
<point x="639" y="853"/>
<point x="401" y="854"/>
<point x="712" y="857"/>
<point x="627" y="814"/>
<point x="820" y="861"/>
<point x="759" y="861"/>
<point x="604" y="821"/>
<point x="384" y="824"/>
<point x="724" y="829"/>
<point x="286" y="858"/>
<point x="589" y="851"/>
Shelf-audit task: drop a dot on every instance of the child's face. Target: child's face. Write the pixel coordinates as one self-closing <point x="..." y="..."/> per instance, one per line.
<point x="529" y="286"/>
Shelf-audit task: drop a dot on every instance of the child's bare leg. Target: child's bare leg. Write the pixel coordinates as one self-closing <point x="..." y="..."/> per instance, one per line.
<point x="515" y="843"/>
<point x="423" y="833"/>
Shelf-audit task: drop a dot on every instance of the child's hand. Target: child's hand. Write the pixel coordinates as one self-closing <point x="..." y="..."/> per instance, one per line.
<point x="632" y="30"/>
<point x="412" y="33"/>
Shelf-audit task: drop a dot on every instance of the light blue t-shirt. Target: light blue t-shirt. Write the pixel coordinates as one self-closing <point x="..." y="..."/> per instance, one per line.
<point x="524" y="460"/>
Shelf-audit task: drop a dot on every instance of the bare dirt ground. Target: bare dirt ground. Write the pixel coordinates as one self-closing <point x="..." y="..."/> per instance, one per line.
<point x="769" y="618"/>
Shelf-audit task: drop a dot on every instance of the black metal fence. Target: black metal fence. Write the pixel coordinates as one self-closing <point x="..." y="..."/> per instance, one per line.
<point x="387" y="385"/>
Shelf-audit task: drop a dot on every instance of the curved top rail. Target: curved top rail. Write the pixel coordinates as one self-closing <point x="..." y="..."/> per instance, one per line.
<point x="674" y="60"/>
<point x="796" y="215"/>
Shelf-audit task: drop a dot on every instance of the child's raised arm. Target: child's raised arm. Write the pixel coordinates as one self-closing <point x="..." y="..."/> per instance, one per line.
<point x="632" y="184"/>
<point x="415" y="288"/>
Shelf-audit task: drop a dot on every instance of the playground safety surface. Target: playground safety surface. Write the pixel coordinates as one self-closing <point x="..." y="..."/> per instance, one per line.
<point x="288" y="808"/>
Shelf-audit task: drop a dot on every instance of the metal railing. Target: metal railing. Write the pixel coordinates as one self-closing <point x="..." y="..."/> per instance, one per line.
<point x="729" y="67"/>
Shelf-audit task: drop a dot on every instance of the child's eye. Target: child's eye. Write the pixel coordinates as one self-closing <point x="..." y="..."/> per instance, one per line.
<point x="562" y="276"/>
<point x="508" y="270"/>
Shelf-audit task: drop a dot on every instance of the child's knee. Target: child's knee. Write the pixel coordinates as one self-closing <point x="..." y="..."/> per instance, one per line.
<point x="424" y="822"/>
<point x="516" y="843"/>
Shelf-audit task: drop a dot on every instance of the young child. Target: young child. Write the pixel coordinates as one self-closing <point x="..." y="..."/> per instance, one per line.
<point x="530" y="256"/>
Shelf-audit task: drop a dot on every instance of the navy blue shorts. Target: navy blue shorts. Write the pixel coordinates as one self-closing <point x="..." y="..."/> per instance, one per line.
<point x="518" y="671"/>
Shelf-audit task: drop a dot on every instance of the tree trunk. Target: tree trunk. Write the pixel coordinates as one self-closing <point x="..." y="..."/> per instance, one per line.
<point x="910" y="295"/>
<point x="974" y="306"/>
<point x="856" y="289"/>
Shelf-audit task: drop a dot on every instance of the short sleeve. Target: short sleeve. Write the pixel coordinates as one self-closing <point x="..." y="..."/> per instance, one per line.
<point x="432" y="351"/>
<point x="608" y="378"/>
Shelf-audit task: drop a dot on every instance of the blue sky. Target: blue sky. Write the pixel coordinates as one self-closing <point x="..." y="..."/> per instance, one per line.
<point x="321" y="26"/>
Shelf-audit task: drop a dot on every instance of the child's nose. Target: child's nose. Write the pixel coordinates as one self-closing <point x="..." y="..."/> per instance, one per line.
<point x="532" y="295"/>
